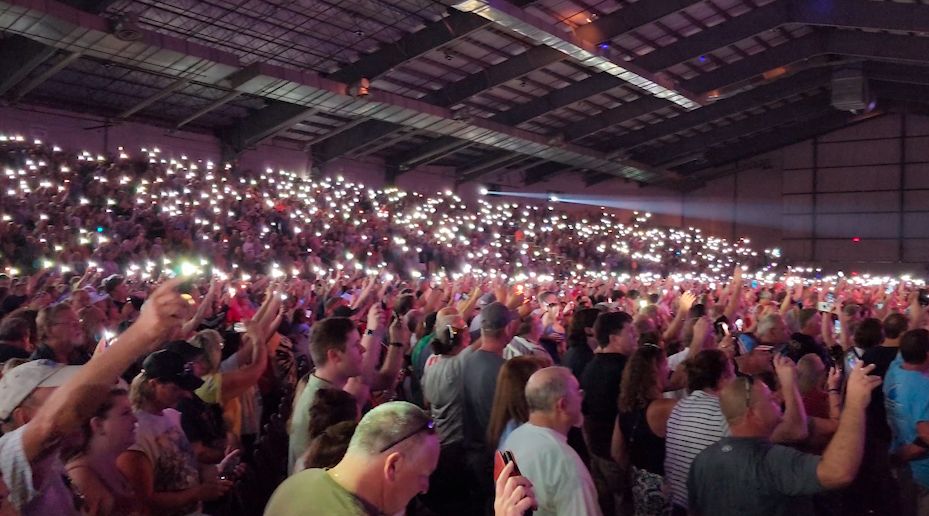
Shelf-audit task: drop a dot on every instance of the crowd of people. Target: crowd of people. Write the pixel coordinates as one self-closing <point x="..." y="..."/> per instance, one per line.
<point x="180" y="338"/>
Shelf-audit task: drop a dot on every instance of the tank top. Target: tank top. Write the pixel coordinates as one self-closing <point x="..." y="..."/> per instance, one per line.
<point x="646" y="450"/>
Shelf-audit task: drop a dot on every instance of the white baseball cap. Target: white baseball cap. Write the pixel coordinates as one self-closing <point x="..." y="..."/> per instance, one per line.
<point x="18" y="383"/>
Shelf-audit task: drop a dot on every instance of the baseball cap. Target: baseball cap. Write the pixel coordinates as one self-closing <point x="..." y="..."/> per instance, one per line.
<point x="17" y="384"/>
<point x="486" y="299"/>
<point x="112" y="281"/>
<point x="183" y="348"/>
<point x="169" y="366"/>
<point x="495" y="316"/>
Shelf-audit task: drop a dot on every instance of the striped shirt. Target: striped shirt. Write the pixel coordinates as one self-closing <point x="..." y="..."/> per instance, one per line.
<point x="695" y="423"/>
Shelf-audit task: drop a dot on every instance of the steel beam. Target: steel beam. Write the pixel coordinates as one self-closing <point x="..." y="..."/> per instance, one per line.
<point x="263" y="124"/>
<point x="540" y="56"/>
<point x="36" y="81"/>
<point x="221" y="101"/>
<point x="164" y="93"/>
<point x="90" y="6"/>
<point x="431" y="151"/>
<point x="496" y="161"/>
<point x="790" y="113"/>
<point x="761" y="144"/>
<point x="19" y="56"/>
<point x="543" y="171"/>
<point x="638" y="107"/>
<point x="909" y="17"/>
<point x="802" y="82"/>
<point x="724" y="34"/>
<point x="630" y="17"/>
<point x="390" y="55"/>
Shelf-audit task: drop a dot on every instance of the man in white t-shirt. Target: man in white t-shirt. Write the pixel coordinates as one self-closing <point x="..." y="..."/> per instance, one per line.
<point x="560" y="479"/>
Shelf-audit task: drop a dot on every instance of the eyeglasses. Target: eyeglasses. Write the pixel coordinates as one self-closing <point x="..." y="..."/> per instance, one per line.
<point x="429" y="426"/>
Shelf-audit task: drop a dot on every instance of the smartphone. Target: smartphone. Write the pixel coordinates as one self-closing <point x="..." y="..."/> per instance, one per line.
<point x="724" y="327"/>
<point x="838" y="327"/>
<point x="830" y="297"/>
<point x="825" y="306"/>
<point x="738" y="325"/>
<point x="508" y="457"/>
<point x="923" y="297"/>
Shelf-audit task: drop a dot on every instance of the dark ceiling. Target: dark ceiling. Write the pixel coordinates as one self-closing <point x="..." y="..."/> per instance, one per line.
<point x="540" y="87"/>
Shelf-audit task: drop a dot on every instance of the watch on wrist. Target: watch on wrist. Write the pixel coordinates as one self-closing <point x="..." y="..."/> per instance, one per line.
<point x="370" y="332"/>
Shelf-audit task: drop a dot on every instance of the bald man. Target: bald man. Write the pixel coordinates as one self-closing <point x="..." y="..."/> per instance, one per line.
<point x="745" y="474"/>
<point x="560" y="479"/>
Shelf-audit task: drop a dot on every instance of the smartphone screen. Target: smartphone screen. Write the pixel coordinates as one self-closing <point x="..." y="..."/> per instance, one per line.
<point x="838" y="327"/>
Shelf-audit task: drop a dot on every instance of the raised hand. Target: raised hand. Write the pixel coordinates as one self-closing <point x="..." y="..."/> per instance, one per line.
<point x="513" y="494"/>
<point x="860" y="384"/>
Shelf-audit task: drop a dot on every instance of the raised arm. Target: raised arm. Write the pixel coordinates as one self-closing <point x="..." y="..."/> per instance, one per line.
<point x="842" y="457"/>
<point x="76" y="401"/>
<point x="793" y="427"/>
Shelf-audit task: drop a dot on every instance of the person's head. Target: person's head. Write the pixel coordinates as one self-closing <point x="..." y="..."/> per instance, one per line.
<point x="331" y="406"/>
<point x="115" y="286"/>
<point x="555" y="394"/>
<point x="750" y="407"/>
<point x="336" y="346"/>
<point x="16" y="331"/>
<point x="530" y="327"/>
<point x="811" y="373"/>
<point x="59" y="327"/>
<point x="25" y="388"/>
<point x="111" y="430"/>
<point x="547" y="300"/>
<point x="394" y="449"/>
<point x="810" y="321"/>
<point x="210" y="342"/>
<point x="509" y="397"/>
<point x="615" y="332"/>
<point x="450" y="334"/>
<point x="582" y="325"/>
<point x="772" y="329"/>
<point x="644" y="378"/>
<point x="495" y="322"/>
<point x="404" y="304"/>
<point x="895" y="325"/>
<point x="328" y="448"/>
<point x="164" y="380"/>
<point x="914" y="348"/>
<point x="710" y="369"/>
<point x="868" y="333"/>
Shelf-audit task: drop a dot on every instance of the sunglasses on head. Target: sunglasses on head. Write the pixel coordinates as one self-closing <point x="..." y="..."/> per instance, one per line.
<point x="428" y="425"/>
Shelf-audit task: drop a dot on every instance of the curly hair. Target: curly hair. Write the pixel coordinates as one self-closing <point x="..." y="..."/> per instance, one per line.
<point x="640" y="378"/>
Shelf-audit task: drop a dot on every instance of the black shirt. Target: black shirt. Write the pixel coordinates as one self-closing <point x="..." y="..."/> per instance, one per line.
<point x="9" y="351"/>
<point x="577" y="357"/>
<point x="601" y="380"/>
<point x="876" y="415"/>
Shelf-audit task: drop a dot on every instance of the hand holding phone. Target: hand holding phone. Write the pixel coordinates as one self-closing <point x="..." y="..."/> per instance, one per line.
<point x="513" y="496"/>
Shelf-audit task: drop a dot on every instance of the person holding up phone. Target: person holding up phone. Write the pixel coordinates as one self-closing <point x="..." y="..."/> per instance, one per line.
<point x="561" y="482"/>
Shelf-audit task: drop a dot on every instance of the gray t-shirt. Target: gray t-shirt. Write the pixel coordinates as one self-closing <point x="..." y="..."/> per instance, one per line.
<point x="479" y="370"/>
<point x="442" y="389"/>
<point x="751" y="477"/>
<point x="300" y="422"/>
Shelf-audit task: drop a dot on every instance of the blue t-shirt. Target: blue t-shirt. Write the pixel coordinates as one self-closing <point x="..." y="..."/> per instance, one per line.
<point x="906" y="398"/>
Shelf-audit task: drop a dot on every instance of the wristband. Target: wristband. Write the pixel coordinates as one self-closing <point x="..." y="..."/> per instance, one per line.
<point x="837" y="391"/>
<point x="397" y="344"/>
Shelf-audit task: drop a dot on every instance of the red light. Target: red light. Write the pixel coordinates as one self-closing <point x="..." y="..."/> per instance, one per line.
<point x="856" y="239"/>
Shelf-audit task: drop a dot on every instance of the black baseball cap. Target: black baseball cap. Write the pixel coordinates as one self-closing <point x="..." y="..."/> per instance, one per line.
<point x="168" y="366"/>
<point x="185" y="349"/>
